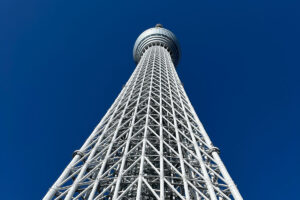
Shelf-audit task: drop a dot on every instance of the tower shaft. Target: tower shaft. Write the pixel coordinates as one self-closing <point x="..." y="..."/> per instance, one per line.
<point x="149" y="145"/>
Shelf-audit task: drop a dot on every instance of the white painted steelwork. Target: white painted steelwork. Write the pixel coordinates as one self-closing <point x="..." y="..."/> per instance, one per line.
<point x="150" y="144"/>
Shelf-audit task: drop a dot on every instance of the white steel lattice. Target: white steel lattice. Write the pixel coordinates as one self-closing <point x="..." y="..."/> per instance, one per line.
<point x="149" y="145"/>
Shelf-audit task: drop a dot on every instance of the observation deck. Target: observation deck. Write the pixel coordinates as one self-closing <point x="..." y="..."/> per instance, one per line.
<point x="157" y="36"/>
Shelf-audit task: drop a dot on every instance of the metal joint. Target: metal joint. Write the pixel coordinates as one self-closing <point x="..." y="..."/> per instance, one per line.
<point x="78" y="152"/>
<point x="214" y="149"/>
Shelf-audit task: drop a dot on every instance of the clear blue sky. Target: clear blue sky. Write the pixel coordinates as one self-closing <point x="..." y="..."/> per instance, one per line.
<point x="62" y="64"/>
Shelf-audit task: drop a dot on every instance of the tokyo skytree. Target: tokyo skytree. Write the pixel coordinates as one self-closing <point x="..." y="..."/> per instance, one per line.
<point x="150" y="144"/>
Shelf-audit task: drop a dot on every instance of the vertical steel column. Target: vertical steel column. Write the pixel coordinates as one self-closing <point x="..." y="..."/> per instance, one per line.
<point x="111" y="144"/>
<point x="141" y="172"/>
<point x="235" y="192"/>
<point x="74" y="185"/>
<point x="203" y="168"/>
<point x="186" y="188"/>
<point x="77" y="157"/>
<point x="115" y="196"/>
<point x="161" y="137"/>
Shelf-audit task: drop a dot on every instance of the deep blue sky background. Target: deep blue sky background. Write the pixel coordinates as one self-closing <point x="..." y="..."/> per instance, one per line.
<point x="62" y="63"/>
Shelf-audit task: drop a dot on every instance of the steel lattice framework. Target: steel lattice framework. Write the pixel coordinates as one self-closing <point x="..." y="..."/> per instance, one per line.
<point x="150" y="144"/>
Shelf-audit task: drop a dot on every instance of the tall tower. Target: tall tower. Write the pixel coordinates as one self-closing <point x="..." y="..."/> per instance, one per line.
<point x="150" y="144"/>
